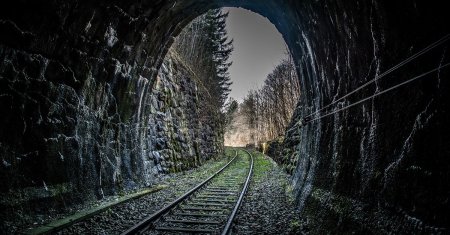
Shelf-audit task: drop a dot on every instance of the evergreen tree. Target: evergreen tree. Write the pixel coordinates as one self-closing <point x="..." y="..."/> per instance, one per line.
<point x="220" y="48"/>
<point x="230" y="109"/>
<point x="205" y="47"/>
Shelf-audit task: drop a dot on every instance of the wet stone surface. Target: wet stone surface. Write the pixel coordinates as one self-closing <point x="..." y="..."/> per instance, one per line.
<point x="73" y="75"/>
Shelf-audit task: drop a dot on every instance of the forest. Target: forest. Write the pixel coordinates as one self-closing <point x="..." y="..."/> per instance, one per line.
<point x="266" y="112"/>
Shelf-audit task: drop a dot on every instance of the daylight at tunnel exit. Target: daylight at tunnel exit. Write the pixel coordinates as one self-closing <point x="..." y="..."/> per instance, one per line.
<point x="224" y="117"/>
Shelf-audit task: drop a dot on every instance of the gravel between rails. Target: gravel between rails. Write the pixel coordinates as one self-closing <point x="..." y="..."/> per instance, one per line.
<point x="232" y="178"/>
<point x="119" y="218"/>
<point x="268" y="207"/>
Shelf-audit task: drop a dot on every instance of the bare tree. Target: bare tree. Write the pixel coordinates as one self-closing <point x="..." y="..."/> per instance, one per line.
<point x="268" y="110"/>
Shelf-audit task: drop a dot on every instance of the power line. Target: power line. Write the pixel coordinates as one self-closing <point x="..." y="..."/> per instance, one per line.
<point x="406" y="61"/>
<point x="409" y="59"/>
<point x="382" y="92"/>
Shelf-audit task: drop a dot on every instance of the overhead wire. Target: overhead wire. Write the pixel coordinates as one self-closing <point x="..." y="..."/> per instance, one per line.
<point x="381" y="92"/>
<point x="380" y="76"/>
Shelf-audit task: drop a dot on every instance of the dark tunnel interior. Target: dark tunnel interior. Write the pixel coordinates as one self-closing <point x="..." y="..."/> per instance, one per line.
<point x="80" y="114"/>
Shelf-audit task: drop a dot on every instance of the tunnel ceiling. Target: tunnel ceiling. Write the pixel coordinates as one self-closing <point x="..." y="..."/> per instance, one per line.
<point x="173" y="16"/>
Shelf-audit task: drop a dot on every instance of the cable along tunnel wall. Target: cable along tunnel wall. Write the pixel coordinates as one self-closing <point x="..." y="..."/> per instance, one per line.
<point x="73" y="74"/>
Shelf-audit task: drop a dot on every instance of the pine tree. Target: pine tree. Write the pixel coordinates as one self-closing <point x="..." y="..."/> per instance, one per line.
<point x="205" y="47"/>
<point x="220" y="48"/>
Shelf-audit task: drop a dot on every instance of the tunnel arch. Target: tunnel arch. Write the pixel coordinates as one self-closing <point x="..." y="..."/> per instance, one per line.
<point x="298" y="45"/>
<point x="84" y="66"/>
<point x="303" y="30"/>
<point x="289" y="22"/>
<point x="184" y="13"/>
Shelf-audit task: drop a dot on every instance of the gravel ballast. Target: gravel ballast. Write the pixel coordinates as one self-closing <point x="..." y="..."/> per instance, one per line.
<point x="268" y="207"/>
<point x="123" y="216"/>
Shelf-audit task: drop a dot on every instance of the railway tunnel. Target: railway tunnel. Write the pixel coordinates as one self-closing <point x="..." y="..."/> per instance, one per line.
<point x="75" y="86"/>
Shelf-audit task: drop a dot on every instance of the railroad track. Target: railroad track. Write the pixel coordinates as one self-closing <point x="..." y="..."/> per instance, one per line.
<point x="208" y="208"/>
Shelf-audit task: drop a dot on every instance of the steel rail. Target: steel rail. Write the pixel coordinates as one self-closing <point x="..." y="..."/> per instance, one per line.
<point x="144" y="224"/>
<point x="227" y="227"/>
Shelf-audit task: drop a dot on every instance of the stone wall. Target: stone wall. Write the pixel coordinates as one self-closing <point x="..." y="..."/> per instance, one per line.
<point x="186" y="134"/>
<point x="380" y="166"/>
<point x="74" y="143"/>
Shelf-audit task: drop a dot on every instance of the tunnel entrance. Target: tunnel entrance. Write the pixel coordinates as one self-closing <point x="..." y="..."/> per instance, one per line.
<point x="78" y="119"/>
<point x="257" y="89"/>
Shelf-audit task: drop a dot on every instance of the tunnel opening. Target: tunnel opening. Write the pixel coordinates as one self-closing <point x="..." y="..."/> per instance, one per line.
<point x="74" y="87"/>
<point x="269" y="95"/>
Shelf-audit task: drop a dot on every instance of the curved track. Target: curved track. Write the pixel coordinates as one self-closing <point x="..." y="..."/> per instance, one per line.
<point x="208" y="208"/>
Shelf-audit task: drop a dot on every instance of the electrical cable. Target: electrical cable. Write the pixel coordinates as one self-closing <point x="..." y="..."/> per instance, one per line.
<point x="406" y="61"/>
<point x="380" y="93"/>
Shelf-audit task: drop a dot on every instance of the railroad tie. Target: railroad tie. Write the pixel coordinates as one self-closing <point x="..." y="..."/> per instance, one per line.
<point x="186" y="230"/>
<point x="209" y="208"/>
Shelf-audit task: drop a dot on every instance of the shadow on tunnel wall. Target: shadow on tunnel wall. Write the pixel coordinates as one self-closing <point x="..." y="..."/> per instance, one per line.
<point x="73" y="75"/>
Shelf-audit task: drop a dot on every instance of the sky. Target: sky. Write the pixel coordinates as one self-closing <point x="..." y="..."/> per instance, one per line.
<point x="258" y="48"/>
